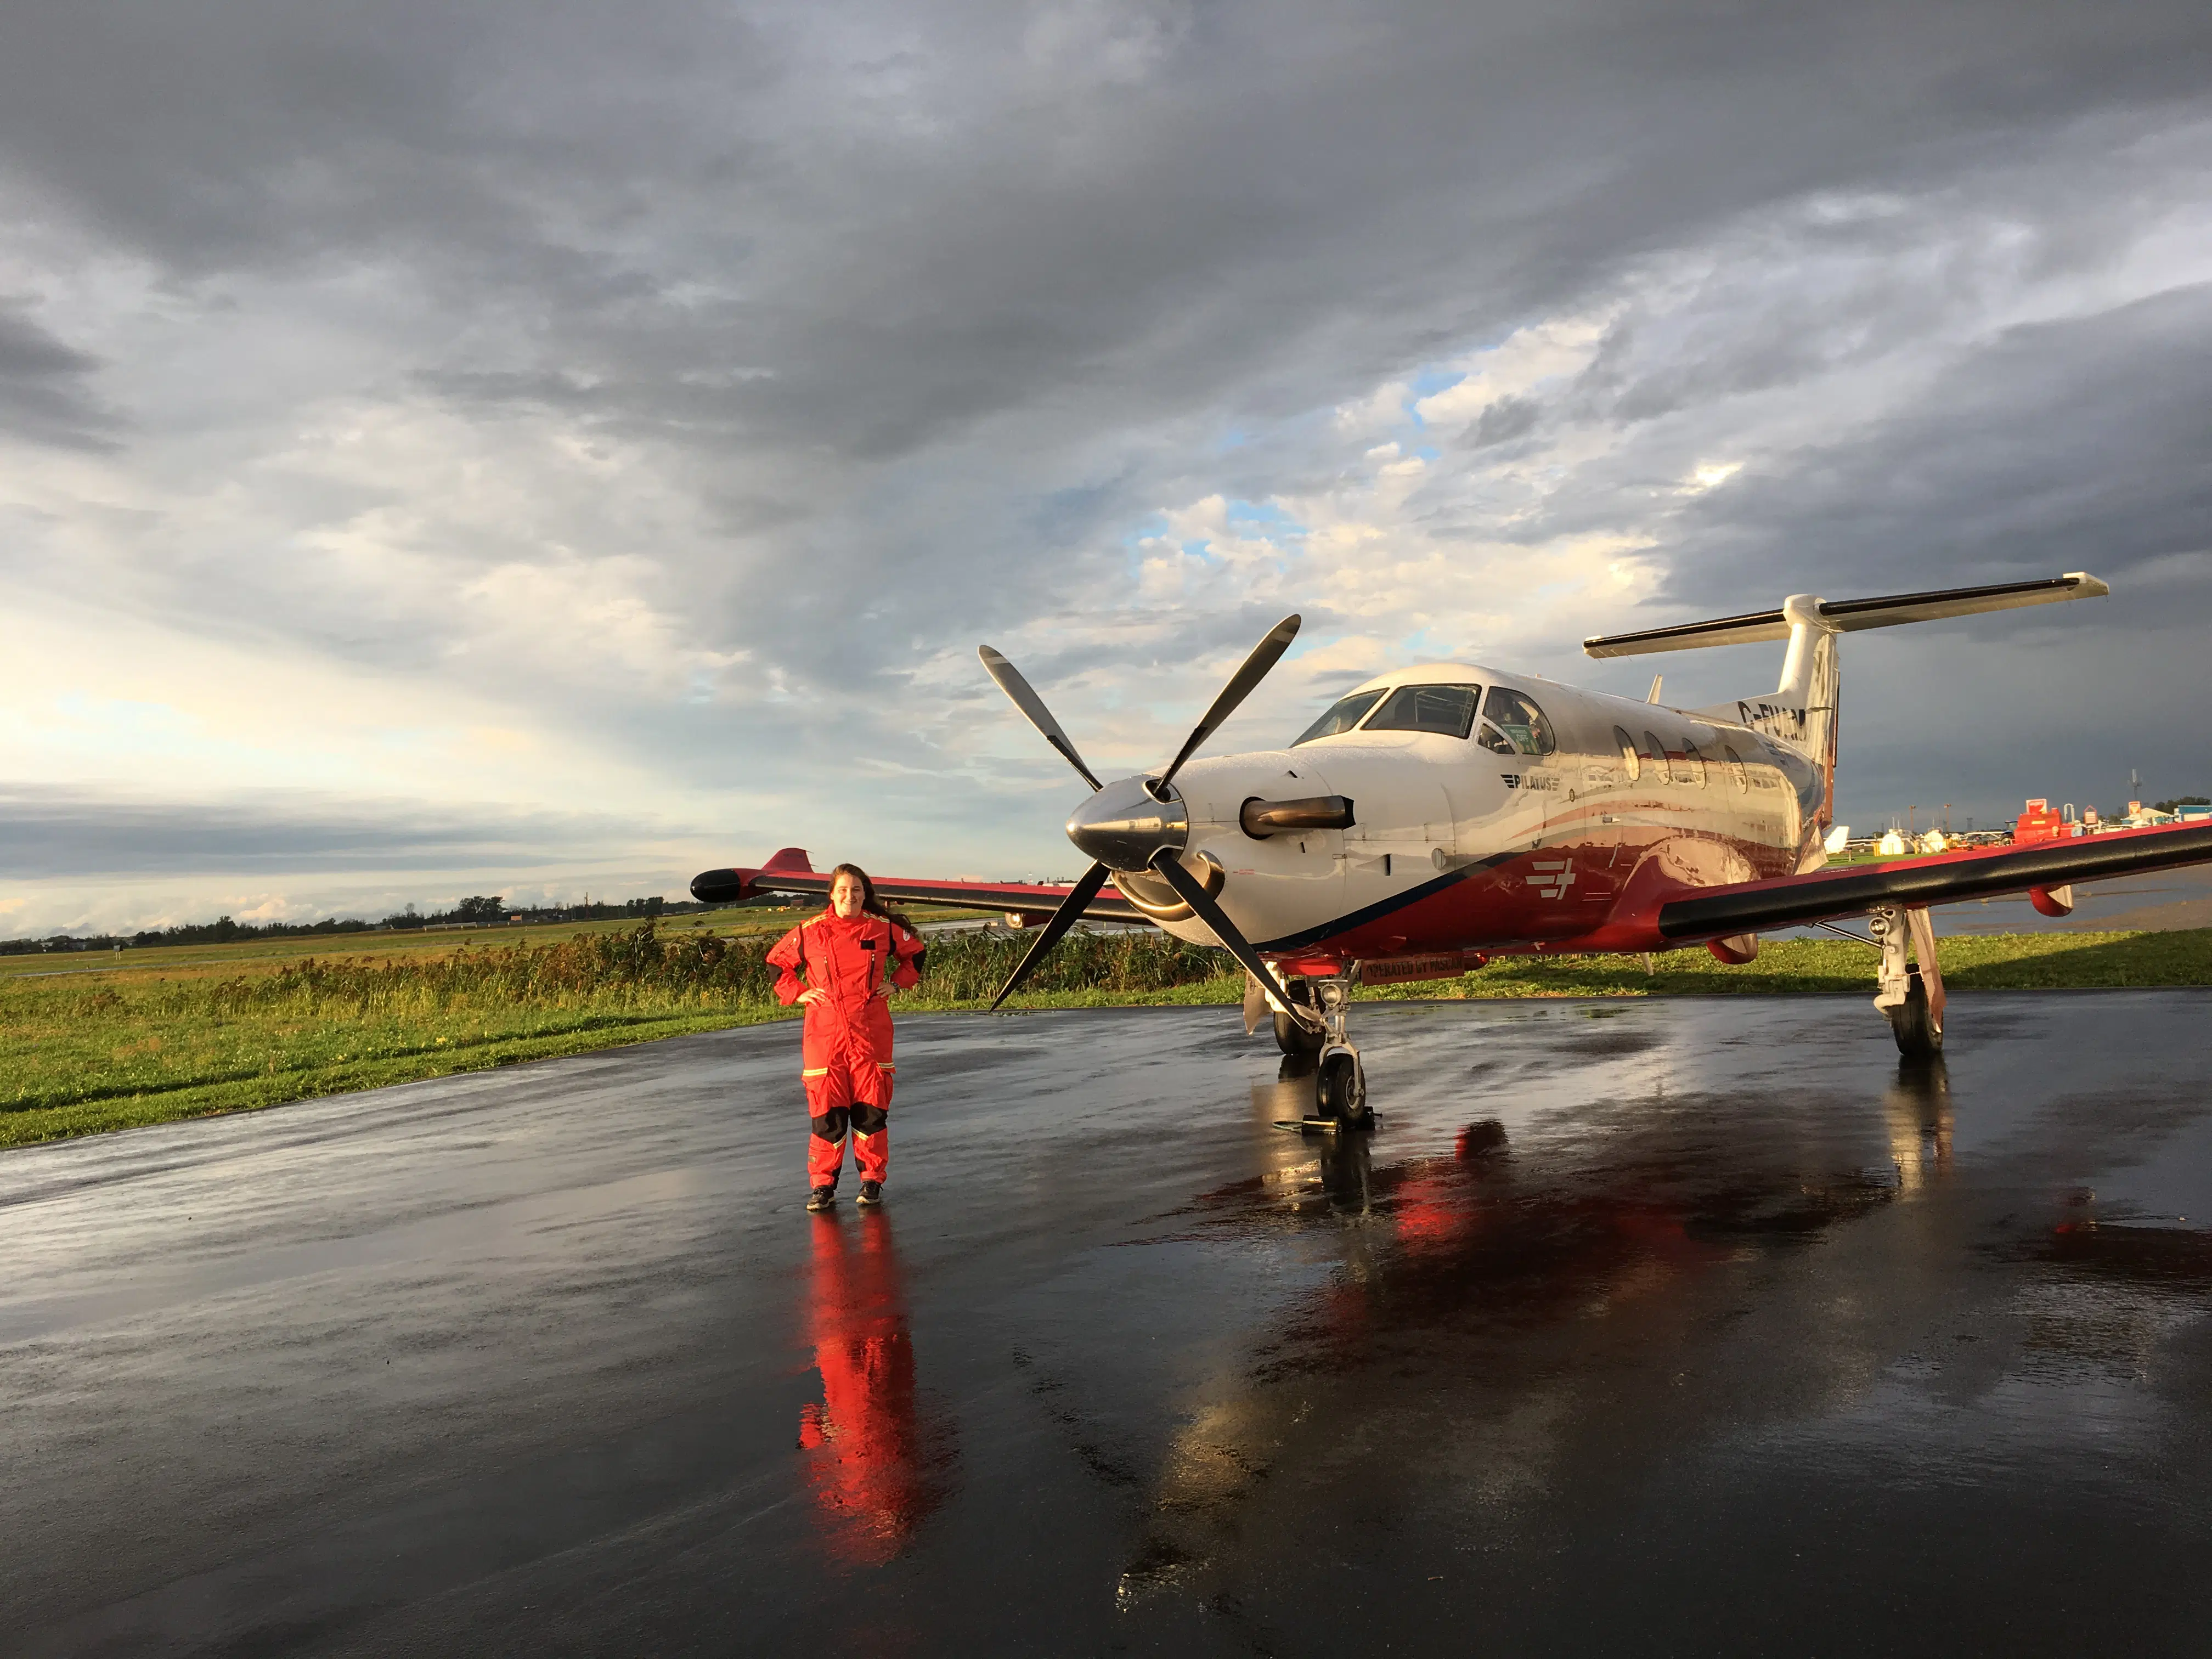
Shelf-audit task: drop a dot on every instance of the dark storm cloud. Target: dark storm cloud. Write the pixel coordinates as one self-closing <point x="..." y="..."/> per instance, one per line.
<point x="48" y="833"/>
<point x="2077" y="445"/>
<point x="917" y="218"/>
<point x="45" y="391"/>
<point x="1504" y="420"/>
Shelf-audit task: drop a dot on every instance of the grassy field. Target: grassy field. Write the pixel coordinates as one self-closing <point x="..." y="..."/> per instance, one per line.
<point x="206" y="1030"/>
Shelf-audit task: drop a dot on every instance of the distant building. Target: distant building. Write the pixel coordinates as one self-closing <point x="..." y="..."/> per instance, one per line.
<point x="2038" y="821"/>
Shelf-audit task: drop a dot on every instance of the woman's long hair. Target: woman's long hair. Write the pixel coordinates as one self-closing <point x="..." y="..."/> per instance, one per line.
<point x="869" y="902"/>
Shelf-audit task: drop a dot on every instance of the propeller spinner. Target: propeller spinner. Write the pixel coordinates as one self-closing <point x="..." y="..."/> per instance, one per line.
<point x="1141" y="823"/>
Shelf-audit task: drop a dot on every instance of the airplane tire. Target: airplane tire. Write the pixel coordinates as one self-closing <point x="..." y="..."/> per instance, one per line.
<point x="1340" y="1090"/>
<point x="1290" y="1036"/>
<point x="1918" y="1036"/>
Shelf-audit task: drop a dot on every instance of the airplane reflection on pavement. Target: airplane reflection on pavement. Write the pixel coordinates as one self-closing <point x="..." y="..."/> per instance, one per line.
<point x="878" y="1464"/>
<point x="1513" y="1314"/>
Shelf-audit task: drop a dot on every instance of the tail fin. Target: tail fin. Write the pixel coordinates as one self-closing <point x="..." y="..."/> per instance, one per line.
<point x="1804" y="709"/>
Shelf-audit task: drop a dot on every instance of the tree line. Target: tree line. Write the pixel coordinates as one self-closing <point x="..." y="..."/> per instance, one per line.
<point x="478" y="909"/>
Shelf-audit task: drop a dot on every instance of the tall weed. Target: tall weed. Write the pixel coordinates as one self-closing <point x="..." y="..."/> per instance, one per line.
<point x="640" y="969"/>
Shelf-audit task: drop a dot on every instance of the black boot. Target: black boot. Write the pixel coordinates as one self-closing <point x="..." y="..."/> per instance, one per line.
<point x="823" y="1197"/>
<point x="872" y="1194"/>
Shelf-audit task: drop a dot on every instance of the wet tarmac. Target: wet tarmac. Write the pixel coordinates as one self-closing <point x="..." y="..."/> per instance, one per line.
<point x="1682" y="1327"/>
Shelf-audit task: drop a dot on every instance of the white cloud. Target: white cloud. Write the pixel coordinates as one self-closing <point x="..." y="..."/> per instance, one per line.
<point x="1528" y="360"/>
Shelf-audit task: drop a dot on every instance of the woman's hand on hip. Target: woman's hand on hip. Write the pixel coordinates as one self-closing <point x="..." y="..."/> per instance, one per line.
<point x="813" y="995"/>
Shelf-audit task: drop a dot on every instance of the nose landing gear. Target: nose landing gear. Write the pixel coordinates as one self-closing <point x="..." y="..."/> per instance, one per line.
<point x="1340" y="1078"/>
<point x="1340" y="1092"/>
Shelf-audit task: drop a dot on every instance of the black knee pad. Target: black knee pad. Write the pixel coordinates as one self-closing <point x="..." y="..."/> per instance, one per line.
<point x="830" y="1126"/>
<point x="869" y="1119"/>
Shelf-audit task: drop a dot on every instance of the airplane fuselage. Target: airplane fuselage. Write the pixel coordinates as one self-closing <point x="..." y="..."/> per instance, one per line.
<point x="1455" y="846"/>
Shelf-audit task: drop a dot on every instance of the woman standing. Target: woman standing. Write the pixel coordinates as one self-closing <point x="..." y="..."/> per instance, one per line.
<point x="843" y="966"/>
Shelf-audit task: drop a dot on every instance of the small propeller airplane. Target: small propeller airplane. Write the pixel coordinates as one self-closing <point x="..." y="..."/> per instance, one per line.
<point x="1440" y="815"/>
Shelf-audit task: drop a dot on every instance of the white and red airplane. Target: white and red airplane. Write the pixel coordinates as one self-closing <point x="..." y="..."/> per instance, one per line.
<point x="1439" y="816"/>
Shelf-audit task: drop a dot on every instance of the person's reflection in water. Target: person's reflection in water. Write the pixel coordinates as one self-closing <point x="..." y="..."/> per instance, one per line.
<point x="877" y="1465"/>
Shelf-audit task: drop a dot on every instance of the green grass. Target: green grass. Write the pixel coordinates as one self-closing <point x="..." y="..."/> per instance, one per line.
<point x="154" y="1043"/>
<point x="2001" y="962"/>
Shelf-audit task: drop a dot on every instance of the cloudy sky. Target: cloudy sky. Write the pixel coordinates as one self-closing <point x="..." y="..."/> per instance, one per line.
<point x="451" y="448"/>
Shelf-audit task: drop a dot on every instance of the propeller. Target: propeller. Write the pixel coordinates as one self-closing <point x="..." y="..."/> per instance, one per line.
<point x="1071" y="910"/>
<point x="1011" y="683"/>
<point x="1171" y="870"/>
<point x="1264" y="655"/>
<point x="1137" y="823"/>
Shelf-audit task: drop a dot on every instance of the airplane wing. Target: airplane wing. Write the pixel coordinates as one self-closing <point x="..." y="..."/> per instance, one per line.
<point x="789" y="871"/>
<point x="1942" y="879"/>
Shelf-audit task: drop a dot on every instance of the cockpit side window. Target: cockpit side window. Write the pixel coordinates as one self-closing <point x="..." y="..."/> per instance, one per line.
<point x="1517" y="716"/>
<point x="1629" y="760"/>
<point x="1495" y="740"/>
<point x="1343" y="715"/>
<point x="1446" y="710"/>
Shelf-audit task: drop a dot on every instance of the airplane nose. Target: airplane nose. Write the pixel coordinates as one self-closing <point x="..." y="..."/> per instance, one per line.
<point x="1122" y="826"/>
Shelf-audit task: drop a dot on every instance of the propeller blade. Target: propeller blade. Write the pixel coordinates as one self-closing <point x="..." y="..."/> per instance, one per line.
<point x="1018" y="690"/>
<point x="1071" y="910"/>
<point x="1264" y="655"/>
<point x="1195" y="896"/>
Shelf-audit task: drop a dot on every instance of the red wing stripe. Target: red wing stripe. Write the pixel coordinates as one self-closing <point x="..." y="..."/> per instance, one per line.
<point x="727" y="886"/>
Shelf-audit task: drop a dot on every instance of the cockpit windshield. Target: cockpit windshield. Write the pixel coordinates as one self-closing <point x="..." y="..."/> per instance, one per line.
<point x="1343" y="715"/>
<point x="1446" y="710"/>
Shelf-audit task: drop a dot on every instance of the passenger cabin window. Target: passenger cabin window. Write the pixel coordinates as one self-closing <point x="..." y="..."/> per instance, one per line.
<point x="1343" y="715"/>
<point x="1693" y="764"/>
<point x="1446" y="710"/>
<point x="1735" y="770"/>
<point x="1655" y="755"/>
<point x="1519" y="721"/>
<point x="1628" y="756"/>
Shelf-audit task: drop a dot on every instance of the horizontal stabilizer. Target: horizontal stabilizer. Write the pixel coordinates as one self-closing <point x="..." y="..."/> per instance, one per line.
<point x="1849" y="615"/>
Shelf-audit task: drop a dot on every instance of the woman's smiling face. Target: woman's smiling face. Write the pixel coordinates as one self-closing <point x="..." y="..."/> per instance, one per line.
<point x="846" y="896"/>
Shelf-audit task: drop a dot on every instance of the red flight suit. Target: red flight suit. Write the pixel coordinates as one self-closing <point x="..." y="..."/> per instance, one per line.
<point x="846" y="1048"/>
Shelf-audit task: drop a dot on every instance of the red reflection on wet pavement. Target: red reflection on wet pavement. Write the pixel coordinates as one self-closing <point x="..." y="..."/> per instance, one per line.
<point x="875" y="1468"/>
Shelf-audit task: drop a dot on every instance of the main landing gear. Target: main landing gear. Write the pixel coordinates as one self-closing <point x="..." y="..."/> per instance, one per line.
<point x="1340" y="1079"/>
<point x="1911" y="992"/>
